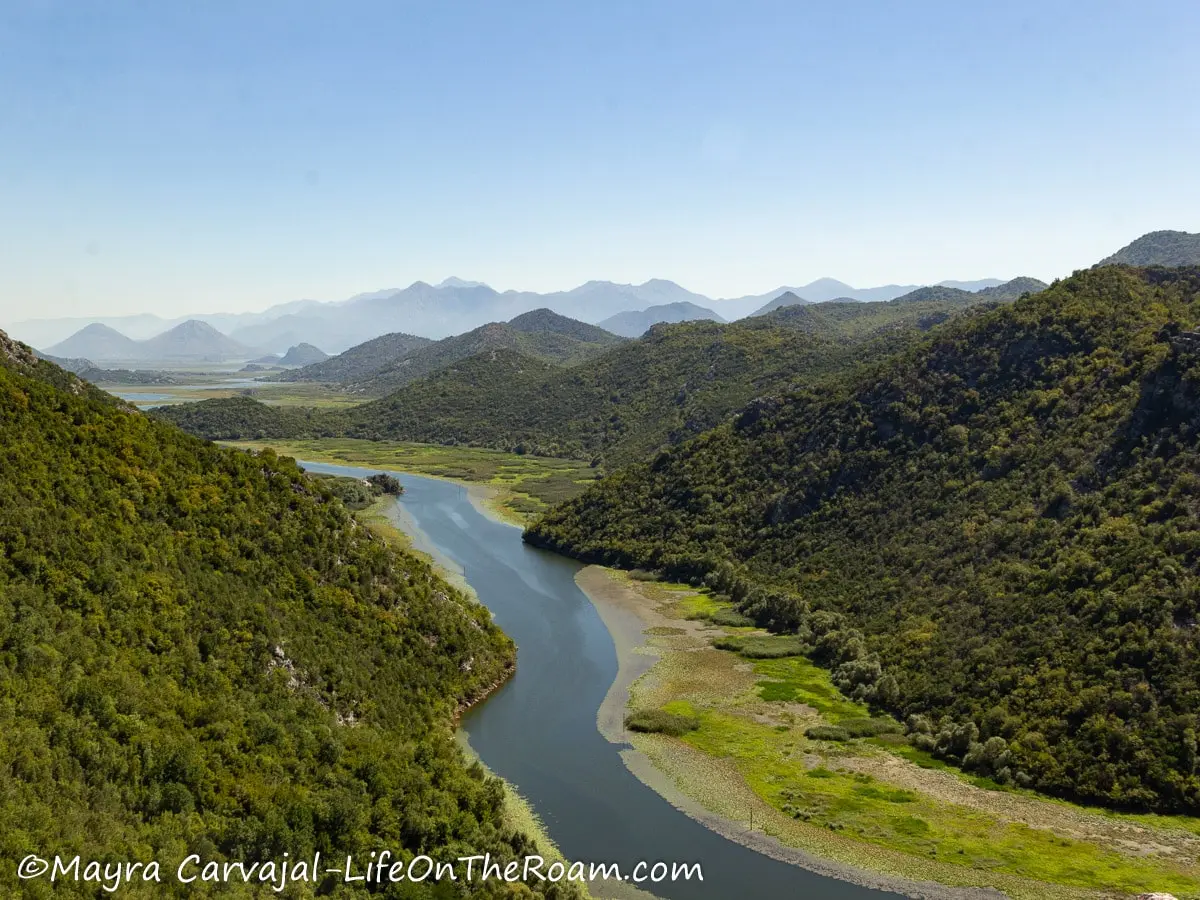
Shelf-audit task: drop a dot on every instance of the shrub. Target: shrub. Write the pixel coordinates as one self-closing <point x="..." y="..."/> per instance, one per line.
<point x="644" y="575"/>
<point x="762" y="646"/>
<point x="730" y="618"/>
<point x="658" y="721"/>
<point x="861" y="728"/>
<point x="827" y="733"/>
<point x="389" y="484"/>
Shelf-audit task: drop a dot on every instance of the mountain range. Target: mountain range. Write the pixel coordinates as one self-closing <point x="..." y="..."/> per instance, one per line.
<point x="608" y="402"/>
<point x="541" y="334"/>
<point x="457" y="305"/>
<point x="190" y="341"/>
<point x="451" y="307"/>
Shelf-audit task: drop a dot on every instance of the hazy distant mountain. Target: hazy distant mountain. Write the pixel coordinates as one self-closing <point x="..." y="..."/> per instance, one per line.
<point x="45" y="332"/>
<point x="787" y="298"/>
<point x="191" y="340"/>
<point x="973" y="286"/>
<point x="96" y="341"/>
<point x="303" y="355"/>
<point x="278" y="335"/>
<point x="48" y="332"/>
<point x="454" y="306"/>
<point x="635" y="323"/>
<point x="359" y="361"/>
<point x="541" y="334"/>
<point x="824" y="289"/>
<point x="820" y="291"/>
<point x="1158" y="248"/>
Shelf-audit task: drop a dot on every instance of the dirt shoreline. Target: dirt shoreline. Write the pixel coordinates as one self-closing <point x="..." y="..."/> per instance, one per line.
<point x="485" y="498"/>
<point x="627" y="616"/>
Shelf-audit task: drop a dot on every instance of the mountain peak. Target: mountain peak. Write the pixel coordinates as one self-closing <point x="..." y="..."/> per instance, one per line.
<point x="192" y="327"/>
<point x="827" y="284"/>
<point x="303" y="354"/>
<point x="787" y="298"/>
<point x="98" y="328"/>
<point x="453" y="282"/>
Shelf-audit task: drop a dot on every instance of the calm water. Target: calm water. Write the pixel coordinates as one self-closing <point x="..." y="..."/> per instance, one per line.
<point x="539" y="730"/>
<point x="140" y="396"/>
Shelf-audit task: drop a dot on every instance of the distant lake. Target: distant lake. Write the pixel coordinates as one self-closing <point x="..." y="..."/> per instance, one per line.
<point x="140" y="396"/>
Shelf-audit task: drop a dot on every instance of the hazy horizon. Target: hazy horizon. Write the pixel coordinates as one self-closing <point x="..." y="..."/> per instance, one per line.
<point x="437" y="283"/>
<point x="224" y="158"/>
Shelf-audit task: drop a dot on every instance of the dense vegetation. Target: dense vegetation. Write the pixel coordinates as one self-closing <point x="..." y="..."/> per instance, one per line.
<point x="676" y="382"/>
<point x="1158" y="248"/>
<point x="200" y="651"/>
<point x="853" y="320"/>
<point x="359" y="493"/>
<point x="994" y="534"/>
<point x="243" y="418"/>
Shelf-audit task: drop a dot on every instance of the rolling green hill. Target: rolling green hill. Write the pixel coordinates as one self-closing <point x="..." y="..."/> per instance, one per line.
<point x="922" y="309"/>
<point x="1158" y="248"/>
<point x="201" y="651"/>
<point x="540" y="334"/>
<point x="995" y="533"/>
<point x="357" y="362"/>
<point x="676" y="382"/>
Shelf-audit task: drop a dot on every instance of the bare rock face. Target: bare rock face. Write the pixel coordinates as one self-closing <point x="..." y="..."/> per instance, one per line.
<point x="15" y="353"/>
<point x="1156" y="897"/>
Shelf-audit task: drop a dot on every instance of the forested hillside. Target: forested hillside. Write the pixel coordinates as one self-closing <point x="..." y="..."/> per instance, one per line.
<point x="541" y="334"/>
<point x="200" y="651"/>
<point x="995" y="534"/>
<point x="676" y="382"/>
<point x="357" y="362"/>
<point x="1158" y="248"/>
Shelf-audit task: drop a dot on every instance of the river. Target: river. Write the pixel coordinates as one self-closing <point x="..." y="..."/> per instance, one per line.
<point x="539" y="730"/>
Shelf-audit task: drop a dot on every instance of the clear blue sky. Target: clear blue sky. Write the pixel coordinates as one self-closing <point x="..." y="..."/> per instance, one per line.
<point x="185" y="157"/>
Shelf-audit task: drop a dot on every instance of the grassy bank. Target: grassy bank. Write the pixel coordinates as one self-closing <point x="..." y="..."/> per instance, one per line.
<point x="520" y="487"/>
<point x="872" y="802"/>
